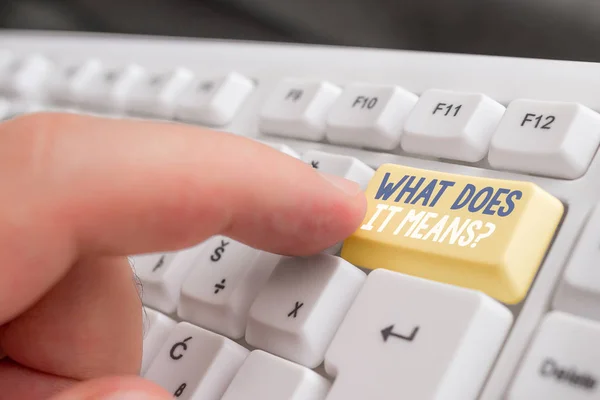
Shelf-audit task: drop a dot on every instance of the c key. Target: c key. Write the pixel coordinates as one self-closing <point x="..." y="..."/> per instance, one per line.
<point x="479" y="233"/>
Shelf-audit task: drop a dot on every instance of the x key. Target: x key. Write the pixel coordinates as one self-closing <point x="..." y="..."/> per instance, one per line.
<point x="294" y="312"/>
<point x="299" y="309"/>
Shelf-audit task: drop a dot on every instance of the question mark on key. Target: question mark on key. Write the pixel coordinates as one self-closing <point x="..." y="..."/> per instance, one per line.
<point x="491" y="230"/>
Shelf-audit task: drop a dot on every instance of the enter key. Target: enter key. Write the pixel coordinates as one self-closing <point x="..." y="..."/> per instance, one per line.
<point x="480" y="233"/>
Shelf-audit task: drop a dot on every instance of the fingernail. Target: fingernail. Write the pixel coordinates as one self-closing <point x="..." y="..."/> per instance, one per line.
<point x="351" y="188"/>
<point x="133" y="395"/>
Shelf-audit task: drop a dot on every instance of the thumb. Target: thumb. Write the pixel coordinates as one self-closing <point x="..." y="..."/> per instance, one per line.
<point x="115" y="388"/>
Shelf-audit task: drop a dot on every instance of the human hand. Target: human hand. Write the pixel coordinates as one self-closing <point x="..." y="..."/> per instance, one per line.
<point x="78" y="194"/>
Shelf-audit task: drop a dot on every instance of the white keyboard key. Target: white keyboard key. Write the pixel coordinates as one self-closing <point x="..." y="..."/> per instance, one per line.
<point x="5" y="108"/>
<point x="224" y="281"/>
<point x="110" y="90"/>
<point x="546" y="138"/>
<point x="452" y="125"/>
<point x="162" y="276"/>
<point x="343" y="166"/>
<point x="417" y="339"/>
<point x="297" y="313"/>
<point x="157" y="94"/>
<point x="340" y="165"/>
<point x="72" y="79"/>
<point x="369" y="116"/>
<point x="579" y="291"/>
<point x="157" y="328"/>
<point x="298" y="109"/>
<point x="563" y="361"/>
<point x="214" y="102"/>
<point x="6" y="58"/>
<point x="18" y="108"/>
<point x="335" y="249"/>
<point x="195" y="363"/>
<point x="264" y="376"/>
<point x="282" y="148"/>
<point x="26" y="76"/>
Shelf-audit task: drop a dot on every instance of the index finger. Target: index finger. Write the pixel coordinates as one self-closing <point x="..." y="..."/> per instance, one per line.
<point x="76" y="185"/>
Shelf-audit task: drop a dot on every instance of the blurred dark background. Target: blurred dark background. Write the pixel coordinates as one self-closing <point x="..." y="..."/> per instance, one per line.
<point x="559" y="29"/>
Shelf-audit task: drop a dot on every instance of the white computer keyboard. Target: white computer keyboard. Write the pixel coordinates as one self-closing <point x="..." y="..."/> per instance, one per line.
<point x="226" y="321"/>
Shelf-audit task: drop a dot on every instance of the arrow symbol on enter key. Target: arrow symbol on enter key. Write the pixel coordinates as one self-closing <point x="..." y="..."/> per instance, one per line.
<point x="387" y="332"/>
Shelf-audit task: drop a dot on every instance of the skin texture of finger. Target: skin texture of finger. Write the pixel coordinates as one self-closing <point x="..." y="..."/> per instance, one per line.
<point x="18" y="382"/>
<point x="115" y="388"/>
<point x="88" y="325"/>
<point x="76" y="185"/>
<point x="80" y="191"/>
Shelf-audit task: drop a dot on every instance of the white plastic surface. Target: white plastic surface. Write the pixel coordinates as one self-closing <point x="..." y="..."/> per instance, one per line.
<point x="16" y="109"/>
<point x="562" y="363"/>
<point x="300" y="308"/>
<point x="282" y="148"/>
<point x="416" y="339"/>
<point x="222" y="285"/>
<point x="342" y="166"/>
<point x="71" y="79"/>
<point x="452" y="125"/>
<point x="264" y="376"/>
<point x="4" y="108"/>
<point x="214" y="102"/>
<point x="555" y="139"/>
<point x="162" y="275"/>
<point x="110" y="90"/>
<point x="503" y="79"/>
<point x="195" y="364"/>
<point x="156" y="95"/>
<point x="297" y="108"/>
<point x="367" y="115"/>
<point x="26" y="76"/>
<point x="579" y="290"/>
<point x="157" y="328"/>
<point x="6" y="58"/>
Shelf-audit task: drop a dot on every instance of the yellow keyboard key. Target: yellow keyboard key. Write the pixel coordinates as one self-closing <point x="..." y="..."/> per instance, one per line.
<point x="481" y="233"/>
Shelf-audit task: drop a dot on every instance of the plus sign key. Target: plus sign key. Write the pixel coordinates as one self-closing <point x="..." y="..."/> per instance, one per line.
<point x="479" y="233"/>
<point x="226" y="278"/>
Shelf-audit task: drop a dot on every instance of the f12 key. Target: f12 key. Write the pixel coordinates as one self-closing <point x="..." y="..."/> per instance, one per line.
<point x="479" y="233"/>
